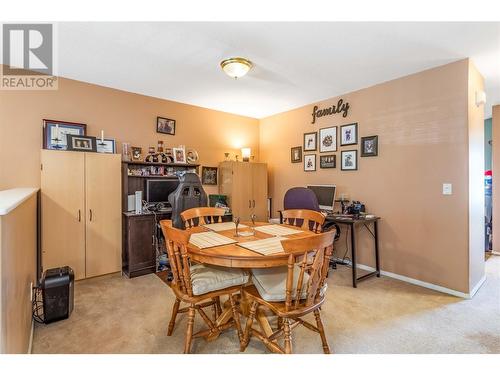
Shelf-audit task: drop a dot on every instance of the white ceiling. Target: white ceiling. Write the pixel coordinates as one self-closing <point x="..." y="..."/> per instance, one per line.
<point x="295" y="63"/>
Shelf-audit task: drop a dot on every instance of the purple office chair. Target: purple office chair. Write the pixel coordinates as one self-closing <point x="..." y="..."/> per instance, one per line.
<point x="300" y="198"/>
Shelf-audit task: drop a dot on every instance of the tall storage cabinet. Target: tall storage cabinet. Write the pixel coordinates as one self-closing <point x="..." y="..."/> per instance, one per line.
<point x="81" y="212"/>
<point x="245" y="184"/>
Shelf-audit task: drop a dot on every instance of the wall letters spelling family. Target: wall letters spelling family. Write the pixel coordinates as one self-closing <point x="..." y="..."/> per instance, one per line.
<point x="340" y="107"/>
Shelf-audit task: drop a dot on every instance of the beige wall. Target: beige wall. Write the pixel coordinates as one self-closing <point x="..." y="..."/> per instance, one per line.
<point x="122" y="115"/>
<point x="422" y="124"/>
<point x="17" y="271"/>
<point x="496" y="177"/>
<point x="476" y="178"/>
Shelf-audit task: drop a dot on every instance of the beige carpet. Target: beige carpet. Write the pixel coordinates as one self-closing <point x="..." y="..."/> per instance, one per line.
<point x="114" y="314"/>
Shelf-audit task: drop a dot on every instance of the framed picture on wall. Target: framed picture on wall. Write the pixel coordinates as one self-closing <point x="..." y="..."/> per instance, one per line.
<point x="209" y="175"/>
<point x="55" y="132"/>
<point x="327" y="161"/>
<point x="349" y="134"/>
<point x="310" y="163"/>
<point x="349" y="160"/>
<point x="328" y="139"/>
<point x="310" y="140"/>
<point x="369" y="146"/>
<point x="165" y="125"/>
<point x="81" y="143"/>
<point x="296" y="154"/>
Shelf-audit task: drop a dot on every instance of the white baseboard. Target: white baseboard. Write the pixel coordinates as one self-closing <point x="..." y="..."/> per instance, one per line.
<point x="424" y="284"/>
<point x="30" y="345"/>
<point x="495" y="253"/>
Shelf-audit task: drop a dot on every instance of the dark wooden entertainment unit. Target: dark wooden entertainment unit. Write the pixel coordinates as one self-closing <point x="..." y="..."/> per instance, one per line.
<point x="139" y="234"/>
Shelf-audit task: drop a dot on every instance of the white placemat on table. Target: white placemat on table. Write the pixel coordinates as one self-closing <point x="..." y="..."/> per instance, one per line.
<point x="209" y="239"/>
<point x="218" y="227"/>
<point x="266" y="246"/>
<point x="277" y="230"/>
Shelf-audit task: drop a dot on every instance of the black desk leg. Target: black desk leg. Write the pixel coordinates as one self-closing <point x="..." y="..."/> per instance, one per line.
<point x="353" y="255"/>
<point x="377" y="259"/>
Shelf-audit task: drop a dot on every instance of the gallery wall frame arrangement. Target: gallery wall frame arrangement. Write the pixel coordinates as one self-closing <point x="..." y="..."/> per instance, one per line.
<point x="349" y="134"/>
<point x="55" y="132"/>
<point x="328" y="139"/>
<point x="349" y="160"/>
<point x="296" y="154"/>
<point x="310" y="163"/>
<point x="328" y="161"/>
<point x="369" y="146"/>
<point x="310" y="141"/>
<point x="165" y="125"/>
<point x="81" y="143"/>
<point x="209" y="175"/>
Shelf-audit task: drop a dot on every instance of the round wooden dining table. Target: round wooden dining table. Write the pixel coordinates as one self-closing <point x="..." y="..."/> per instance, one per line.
<point x="235" y="256"/>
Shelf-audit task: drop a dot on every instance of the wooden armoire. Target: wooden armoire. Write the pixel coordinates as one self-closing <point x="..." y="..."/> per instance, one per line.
<point x="81" y="212"/>
<point x="245" y="184"/>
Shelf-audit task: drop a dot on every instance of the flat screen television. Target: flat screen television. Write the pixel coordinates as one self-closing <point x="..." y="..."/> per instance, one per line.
<point x="158" y="189"/>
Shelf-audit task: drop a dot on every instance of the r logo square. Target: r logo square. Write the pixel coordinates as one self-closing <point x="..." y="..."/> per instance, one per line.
<point x="28" y="57"/>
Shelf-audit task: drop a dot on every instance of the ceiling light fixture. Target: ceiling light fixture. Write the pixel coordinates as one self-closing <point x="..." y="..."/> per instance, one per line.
<point x="236" y="67"/>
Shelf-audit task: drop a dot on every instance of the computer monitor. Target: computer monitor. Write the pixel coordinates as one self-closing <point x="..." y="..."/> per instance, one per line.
<point x="158" y="189"/>
<point x="325" y="195"/>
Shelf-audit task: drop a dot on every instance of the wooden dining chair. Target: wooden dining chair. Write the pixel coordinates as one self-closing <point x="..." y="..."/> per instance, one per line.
<point x="305" y="219"/>
<point x="202" y="215"/>
<point x="199" y="286"/>
<point x="291" y="292"/>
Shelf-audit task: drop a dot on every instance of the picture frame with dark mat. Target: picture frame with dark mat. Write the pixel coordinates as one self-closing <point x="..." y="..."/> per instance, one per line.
<point x="310" y="163"/>
<point x="328" y="139"/>
<point x="165" y="125"/>
<point x="310" y="141"/>
<point x="106" y="146"/>
<point x="328" y="161"/>
<point x="55" y="132"/>
<point x="81" y="143"/>
<point x="296" y="154"/>
<point x="209" y="175"/>
<point x="369" y="146"/>
<point x="349" y="134"/>
<point x="349" y="160"/>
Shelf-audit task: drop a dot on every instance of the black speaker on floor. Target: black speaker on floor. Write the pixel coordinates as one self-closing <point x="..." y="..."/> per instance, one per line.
<point x="57" y="286"/>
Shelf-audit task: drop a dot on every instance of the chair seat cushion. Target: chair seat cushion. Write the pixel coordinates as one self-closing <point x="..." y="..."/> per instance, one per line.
<point x="206" y="279"/>
<point x="271" y="283"/>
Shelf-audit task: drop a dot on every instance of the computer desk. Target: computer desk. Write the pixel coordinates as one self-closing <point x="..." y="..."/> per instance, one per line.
<point x="352" y="222"/>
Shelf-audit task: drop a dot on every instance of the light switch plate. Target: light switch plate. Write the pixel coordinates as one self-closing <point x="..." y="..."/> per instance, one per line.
<point x="447" y="189"/>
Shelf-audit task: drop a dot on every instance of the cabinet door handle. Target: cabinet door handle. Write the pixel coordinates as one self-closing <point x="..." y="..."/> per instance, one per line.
<point x="249" y="203"/>
<point x="254" y="203"/>
<point x="79" y="215"/>
<point x="90" y="218"/>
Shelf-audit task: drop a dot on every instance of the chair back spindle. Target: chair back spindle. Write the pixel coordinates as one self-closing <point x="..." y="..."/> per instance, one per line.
<point x="202" y="215"/>
<point x="176" y="243"/>
<point x="309" y="256"/>
<point x="305" y="219"/>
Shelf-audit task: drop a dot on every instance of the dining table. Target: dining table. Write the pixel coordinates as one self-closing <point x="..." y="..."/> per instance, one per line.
<point x="235" y="256"/>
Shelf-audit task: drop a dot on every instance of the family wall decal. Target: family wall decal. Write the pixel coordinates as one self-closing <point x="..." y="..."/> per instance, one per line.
<point x="341" y="107"/>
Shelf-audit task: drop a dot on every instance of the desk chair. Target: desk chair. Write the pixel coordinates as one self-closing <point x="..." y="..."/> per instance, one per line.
<point x="199" y="286"/>
<point x="202" y="215"/>
<point x="189" y="194"/>
<point x="300" y="198"/>
<point x="291" y="292"/>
